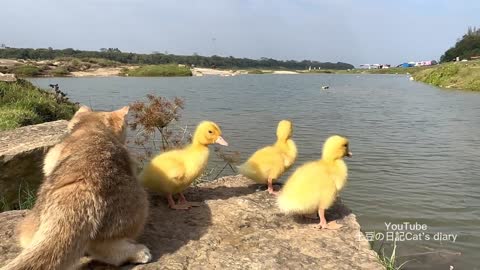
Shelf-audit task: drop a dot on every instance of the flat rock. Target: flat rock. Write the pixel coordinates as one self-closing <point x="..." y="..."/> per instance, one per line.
<point x="21" y="155"/>
<point x="237" y="227"/>
<point x="7" y="77"/>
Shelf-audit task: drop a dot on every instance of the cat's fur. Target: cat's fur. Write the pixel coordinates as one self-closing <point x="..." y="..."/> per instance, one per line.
<point x="90" y="200"/>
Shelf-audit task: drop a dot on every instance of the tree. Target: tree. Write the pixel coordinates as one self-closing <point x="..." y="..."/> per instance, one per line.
<point x="465" y="48"/>
<point x="115" y="54"/>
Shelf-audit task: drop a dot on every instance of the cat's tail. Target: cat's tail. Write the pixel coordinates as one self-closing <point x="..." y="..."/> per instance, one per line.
<point x="59" y="242"/>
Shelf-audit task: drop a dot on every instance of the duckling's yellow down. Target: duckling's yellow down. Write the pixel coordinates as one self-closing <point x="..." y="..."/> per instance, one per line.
<point x="316" y="184"/>
<point x="173" y="171"/>
<point x="272" y="161"/>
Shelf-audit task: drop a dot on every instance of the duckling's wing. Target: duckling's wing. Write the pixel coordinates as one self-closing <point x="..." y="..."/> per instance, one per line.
<point x="287" y="161"/>
<point x="164" y="167"/>
<point x="266" y="162"/>
<point x="173" y="169"/>
<point x="307" y="189"/>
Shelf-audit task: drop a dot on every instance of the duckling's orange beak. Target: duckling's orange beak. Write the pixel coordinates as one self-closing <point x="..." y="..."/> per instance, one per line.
<point x="221" y="141"/>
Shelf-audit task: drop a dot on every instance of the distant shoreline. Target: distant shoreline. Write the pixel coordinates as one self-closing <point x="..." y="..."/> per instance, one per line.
<point x="455" y="75"/>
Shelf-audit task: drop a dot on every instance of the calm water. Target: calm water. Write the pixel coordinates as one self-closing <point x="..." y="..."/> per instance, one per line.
<point x="415" y="147"/>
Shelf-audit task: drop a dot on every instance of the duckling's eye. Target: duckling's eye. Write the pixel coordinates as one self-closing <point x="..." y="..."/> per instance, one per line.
<point x="210" y="131"/>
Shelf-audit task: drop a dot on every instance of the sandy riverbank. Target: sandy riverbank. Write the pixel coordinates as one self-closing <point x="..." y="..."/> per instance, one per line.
<point x="100" y="72"/>
<point x="216" y="72"/>
<point x="284" y="72"/>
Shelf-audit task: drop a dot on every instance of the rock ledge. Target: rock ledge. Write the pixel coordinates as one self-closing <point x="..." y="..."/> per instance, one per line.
<point x="21" y="156"/>
<point x="238" y="227"/>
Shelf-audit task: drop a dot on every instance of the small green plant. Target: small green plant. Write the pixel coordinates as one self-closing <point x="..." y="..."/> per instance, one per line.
<point x="388" y="261"/>
<point x="26" y="197"/>
<point x="4" y="206"/>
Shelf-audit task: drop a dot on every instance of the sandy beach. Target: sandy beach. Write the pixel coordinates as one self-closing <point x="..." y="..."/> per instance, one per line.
<point x="284" y="72"/>
<point x="100" y="72"/>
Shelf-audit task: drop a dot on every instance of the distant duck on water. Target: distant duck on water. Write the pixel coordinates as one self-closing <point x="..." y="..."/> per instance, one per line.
<point x="325" y="87"/>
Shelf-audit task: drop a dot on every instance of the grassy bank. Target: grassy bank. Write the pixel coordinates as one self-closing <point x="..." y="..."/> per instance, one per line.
<point x="21" y="104"/>
<point x="459" y="75"/>
<point x="158" y="71"/>
<point x="322" y="71"/>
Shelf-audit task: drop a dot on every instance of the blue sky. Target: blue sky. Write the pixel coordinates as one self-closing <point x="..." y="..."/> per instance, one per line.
<point x="354" y="31"/>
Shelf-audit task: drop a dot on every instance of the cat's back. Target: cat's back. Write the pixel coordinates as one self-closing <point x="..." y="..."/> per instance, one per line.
<point x="93" y="157"/>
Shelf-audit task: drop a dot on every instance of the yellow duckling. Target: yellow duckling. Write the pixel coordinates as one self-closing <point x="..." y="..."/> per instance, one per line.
<point x="269" y="163"/>
<point x="315" y="185"/>
<point x="173" y="171"/>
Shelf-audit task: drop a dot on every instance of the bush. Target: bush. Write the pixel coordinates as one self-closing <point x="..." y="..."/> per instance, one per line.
<point x="159" y="71"/>
<point x="102" y="62"/>
<point x="256" y="71"/>
<point x="27" y="71"/>
<point x="59" y="72"/>
<point x="155" y="123"/>
<point x="23" y="104"/>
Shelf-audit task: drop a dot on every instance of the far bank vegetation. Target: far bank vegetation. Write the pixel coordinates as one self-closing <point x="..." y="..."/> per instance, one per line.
<point x="158" y="71"/>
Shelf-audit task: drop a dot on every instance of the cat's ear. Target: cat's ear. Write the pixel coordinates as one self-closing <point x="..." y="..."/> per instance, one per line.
<point x="76" y="117"/>
<point x="84" y="108"/>
<point x="122" y="112"/>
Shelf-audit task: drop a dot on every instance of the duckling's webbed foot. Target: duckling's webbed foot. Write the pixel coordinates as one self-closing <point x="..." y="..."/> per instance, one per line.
<point x="172" y="205"/>
<point x="332" y="225"/>
<point x="323" y="221"/>
<point x="270" y="187"/>
<point x="322" y="225"/>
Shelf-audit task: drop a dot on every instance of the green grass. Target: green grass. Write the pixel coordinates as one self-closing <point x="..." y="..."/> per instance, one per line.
<point x="388" y="261"/>
<point x="27" y="71"/>
<point x="255" y="71"/>
<point x="159" y="71"/>
<point x="320" y="71"/>
<point x="26" y="200"/>
<point x="102" y="62"/>
<point x="59" y="72"/>
<point x="26" y="197"/>
<point x="394" y="70"/>
<point x="459" y="75"/>
<point x="21" y="104"/>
